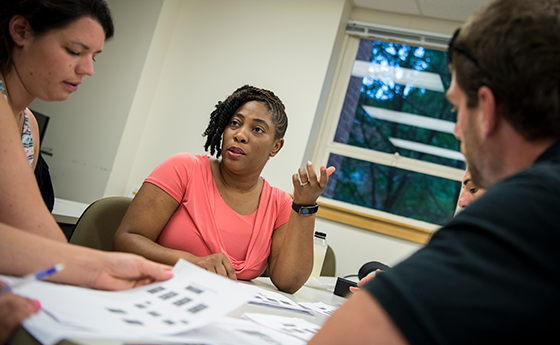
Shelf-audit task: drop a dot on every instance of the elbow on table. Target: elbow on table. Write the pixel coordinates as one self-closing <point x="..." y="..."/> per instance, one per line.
<point x="289" y="284"/>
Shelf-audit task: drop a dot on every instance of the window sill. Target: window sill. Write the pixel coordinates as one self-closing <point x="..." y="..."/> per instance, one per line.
<point x="377" y="224"/>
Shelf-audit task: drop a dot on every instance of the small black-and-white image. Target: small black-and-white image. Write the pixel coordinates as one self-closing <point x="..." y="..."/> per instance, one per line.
<point x="157" y="289"/>
<point x="168" y="295"/>
<point x="194" y="289"/>
<point x="182" y="301"/>
<point x="198" y="308"/>
<point x="133" y="322"/>
<point x="116" y="311"/>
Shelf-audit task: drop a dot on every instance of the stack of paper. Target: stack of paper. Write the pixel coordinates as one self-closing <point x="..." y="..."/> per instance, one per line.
<point x="274" y="299"/>
<point x="191" y="299"/>
<point x="190" y="308"/>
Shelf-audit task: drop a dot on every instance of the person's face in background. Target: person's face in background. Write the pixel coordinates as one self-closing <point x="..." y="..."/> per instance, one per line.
<point x="249" y="139"/>
<point x="51" y="66"/>
<point x="470" y="191"/>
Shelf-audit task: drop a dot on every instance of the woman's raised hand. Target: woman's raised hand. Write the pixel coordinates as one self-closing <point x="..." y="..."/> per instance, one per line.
<point x="308" y="186"/>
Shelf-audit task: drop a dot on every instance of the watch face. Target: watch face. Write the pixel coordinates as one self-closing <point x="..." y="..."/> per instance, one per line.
<point x="305" y="211"/>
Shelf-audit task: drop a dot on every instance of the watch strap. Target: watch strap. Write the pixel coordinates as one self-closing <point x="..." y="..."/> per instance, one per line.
<point x="305" y="210"/>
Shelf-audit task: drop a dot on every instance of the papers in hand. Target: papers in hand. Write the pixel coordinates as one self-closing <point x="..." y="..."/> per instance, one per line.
<point x="192" y="298"/>
<point x="188" y="308"/>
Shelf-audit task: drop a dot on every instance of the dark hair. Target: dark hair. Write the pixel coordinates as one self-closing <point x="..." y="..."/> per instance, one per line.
<point x="221" y="116"/>
<point x="514" y="46"/>
<point x="46" y="15"/>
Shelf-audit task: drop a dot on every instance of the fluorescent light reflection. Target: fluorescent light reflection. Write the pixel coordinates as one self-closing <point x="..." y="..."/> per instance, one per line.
<point x="398" y="75"/>
<point x="410" y="119"/>
<point x="433" y="150"/>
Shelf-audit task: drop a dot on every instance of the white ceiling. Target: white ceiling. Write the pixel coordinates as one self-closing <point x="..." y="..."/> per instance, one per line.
<point x="456" y="10"/>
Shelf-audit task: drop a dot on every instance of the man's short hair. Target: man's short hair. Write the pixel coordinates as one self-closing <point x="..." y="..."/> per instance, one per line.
<point x="513" y="47"/>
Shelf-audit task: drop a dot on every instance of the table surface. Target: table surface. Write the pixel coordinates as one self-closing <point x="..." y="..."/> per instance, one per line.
<point x="305" y="294"/>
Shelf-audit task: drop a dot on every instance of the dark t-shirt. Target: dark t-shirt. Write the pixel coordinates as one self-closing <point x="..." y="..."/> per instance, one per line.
<point x="492" y="275"/>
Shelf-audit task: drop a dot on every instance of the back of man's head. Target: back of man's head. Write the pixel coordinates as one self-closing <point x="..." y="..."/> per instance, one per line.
<point x="513" y="47"/>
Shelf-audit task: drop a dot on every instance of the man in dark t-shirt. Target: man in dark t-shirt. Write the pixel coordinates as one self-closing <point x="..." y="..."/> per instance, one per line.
<point x="491" y="275"/>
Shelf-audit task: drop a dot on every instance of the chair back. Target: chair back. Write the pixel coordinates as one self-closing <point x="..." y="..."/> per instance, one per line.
<point x="97" y="225"/>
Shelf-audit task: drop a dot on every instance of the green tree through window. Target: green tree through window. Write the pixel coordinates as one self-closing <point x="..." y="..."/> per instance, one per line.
<point x="395" y="104"/>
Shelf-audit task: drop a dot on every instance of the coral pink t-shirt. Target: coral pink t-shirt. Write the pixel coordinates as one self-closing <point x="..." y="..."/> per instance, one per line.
<point x="204" y="224"/>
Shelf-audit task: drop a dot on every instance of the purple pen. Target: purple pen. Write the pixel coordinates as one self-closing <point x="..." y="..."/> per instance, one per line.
<point x="33" y="277"/>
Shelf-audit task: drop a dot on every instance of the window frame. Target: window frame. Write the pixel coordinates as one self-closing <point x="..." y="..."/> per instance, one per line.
<point x="359" y="216"/>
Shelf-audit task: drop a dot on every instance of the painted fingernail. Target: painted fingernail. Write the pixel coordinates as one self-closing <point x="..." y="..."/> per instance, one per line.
<point x="37" y="303"/>
<point x="31" y="308"/>
<point x="168" y="273"/>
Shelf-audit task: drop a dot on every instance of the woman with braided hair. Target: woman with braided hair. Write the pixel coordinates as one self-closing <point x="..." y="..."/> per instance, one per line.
<point x="219" y="213"/>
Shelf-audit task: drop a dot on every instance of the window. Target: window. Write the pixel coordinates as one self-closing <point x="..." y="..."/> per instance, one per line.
<point x="389" y="132"/>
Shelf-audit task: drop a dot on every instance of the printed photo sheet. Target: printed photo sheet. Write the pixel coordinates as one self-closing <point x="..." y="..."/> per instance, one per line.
<point x="191" y="299"/>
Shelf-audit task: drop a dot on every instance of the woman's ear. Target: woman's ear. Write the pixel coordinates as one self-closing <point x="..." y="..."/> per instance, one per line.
<point x="20" y="30"/>
<point x="277" y="146"/>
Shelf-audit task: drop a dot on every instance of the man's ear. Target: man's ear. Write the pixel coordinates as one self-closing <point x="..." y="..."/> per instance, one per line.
<point x="487" y="106"/>
<point x="20" y="30"/>
<point x="277" y="146"/>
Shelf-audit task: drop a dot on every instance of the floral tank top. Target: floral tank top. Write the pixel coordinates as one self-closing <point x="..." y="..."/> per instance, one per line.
<point x="26" y="137"/>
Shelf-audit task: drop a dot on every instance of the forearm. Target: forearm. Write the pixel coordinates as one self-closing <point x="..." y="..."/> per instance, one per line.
<point x="138" y="244"/>
<point x="293" y="265"/>
<point x="361" y="320"/>
<point x="22" y="253"/>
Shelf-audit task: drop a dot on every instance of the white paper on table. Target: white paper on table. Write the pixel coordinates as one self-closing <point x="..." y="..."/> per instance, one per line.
<point x="319" y="307"/>
<point x="293" y="326"/>
<point x="313" y="282"/>
<point x="192" y="298"/>
<point x="273" y="299"/>
<point x="49" y="332"/>
<point x="235" y="331"/>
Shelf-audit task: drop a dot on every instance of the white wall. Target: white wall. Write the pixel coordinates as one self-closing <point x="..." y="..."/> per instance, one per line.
<point x="141" y="108"/>
<point x="168" y="65"/>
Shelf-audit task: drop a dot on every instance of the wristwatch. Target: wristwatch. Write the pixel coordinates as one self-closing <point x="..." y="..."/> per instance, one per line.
<point x="305" y="210"/>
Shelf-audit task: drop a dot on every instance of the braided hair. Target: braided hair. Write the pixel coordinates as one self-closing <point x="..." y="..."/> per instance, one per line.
<point x="220" y="117"/>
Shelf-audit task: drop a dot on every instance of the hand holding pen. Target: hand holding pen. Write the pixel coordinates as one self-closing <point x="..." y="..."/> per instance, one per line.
<point x="14" y="308"/>
<point x="33" y="277"/>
